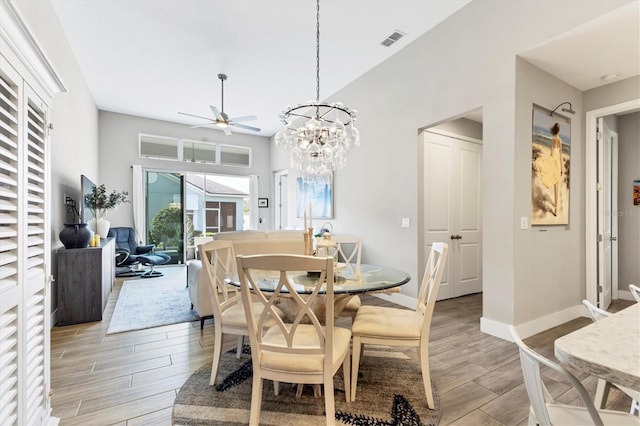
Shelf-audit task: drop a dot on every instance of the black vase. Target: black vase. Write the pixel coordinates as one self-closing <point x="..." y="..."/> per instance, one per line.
<point x="75" y="235"/>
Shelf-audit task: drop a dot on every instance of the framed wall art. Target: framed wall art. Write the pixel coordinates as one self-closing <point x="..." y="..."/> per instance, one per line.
<point x="317" y="197"/>
<point x="550" y="168"/>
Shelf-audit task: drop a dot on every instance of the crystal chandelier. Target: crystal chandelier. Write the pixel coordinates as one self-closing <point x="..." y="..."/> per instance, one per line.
<point x="320" y="143"/>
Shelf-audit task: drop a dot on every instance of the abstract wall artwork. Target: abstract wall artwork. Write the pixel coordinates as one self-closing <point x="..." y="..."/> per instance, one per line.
<point x="317" y="197"/>
<point x="550" y="168"/>
<point x="636" y="192"/>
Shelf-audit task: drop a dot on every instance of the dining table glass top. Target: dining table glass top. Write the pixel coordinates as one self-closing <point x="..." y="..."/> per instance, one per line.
<point x="371" y="278"/>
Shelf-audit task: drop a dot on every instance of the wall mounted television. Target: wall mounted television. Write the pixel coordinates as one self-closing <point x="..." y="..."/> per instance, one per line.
<point x="86" y="187"/>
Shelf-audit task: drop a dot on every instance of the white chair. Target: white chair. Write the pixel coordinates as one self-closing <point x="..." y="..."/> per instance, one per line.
<point x="349" y="252"/>
<point x="304" y="351"/>
<point x="402" y="327"/>
<point x="218" y="261"/>
<point x="603" y="388"/>
<point x="545" y="411"/>
<point x="635" y="292"/>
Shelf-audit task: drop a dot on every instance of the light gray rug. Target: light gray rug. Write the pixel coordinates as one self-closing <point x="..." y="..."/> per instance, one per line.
<point x="390" y="392"/>
<point x="152" y="302"/>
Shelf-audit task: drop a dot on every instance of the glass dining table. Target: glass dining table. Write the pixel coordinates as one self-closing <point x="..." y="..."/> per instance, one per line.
<point x="347" y="283"/>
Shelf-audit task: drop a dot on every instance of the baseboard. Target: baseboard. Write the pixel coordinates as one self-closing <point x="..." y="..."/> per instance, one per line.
<point x="398" y="298"/>
<point x="501" y="330"/>
<point x="54" y="318"/>
<point x="625" y="295"/>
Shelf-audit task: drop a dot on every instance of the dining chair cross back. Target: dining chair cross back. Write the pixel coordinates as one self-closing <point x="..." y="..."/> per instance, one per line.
<point x="349" y="252"/>
<point x="543" y="410"/>
<point x="635" y="292"/>
<point x="307" y="350"/>
<point x="603" y="387"/>
<point x="218" y="260"/>
<point x="402" y="327"/>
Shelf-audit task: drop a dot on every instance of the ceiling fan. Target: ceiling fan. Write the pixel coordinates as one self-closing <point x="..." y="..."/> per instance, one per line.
<point x="221" y="120"/>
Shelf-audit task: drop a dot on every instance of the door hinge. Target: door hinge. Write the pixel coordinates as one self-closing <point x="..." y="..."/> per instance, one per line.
<point x="599" y="238"/>
<point x="599" y="289"/>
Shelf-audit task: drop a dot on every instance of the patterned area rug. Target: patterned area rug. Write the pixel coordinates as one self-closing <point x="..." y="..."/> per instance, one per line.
<point x="390" y="392"/>
<point x="152" y="302"/>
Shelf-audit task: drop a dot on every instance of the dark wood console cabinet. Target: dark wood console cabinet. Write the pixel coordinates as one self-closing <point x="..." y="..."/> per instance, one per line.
<point x="85" y="279"/>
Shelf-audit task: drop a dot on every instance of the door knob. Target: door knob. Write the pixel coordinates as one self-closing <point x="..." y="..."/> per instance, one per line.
<point x="456" y="237"/>
<point x="613" y="238"/>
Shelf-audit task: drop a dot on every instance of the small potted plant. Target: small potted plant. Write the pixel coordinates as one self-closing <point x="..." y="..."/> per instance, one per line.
<point x="99" y="202"/>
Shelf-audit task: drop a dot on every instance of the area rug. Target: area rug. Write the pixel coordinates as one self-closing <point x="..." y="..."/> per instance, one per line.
<point x="390" y="392"/>
<point x="152" y="302"/>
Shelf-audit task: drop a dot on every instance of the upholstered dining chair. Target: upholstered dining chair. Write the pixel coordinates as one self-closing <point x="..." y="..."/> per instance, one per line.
<point x="218" y="262"/>
<point x="635" y="292"/>
<point x="603" y="388"/>
<point x="349" y="252"/>
<point x="308" y="350"/>
<point x="402" y="327"/>
<point x="543" y="410"/>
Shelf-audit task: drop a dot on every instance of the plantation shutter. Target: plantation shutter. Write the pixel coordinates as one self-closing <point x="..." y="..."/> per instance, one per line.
<point x="9" y="289"/>
<point x="26" y="80"/>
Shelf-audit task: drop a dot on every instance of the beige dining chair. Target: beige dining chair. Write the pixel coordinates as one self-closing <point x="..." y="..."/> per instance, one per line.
<point x="603" y="387"/>
<point x="349" y="252"/>
<point x="308" y="350"/>
<point x="402" y="327"/>
<point x="218" y="261"/>
<point x="543" y="410"/>
<point x="635" y="292"/>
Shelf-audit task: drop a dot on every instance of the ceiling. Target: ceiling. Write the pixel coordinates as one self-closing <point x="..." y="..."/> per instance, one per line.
<point x="156" y="58"/>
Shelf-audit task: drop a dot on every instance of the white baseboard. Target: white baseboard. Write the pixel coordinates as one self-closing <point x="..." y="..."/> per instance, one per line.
<point x="54" y="318"/>
<point x="501" y="330"/>
<point x="399" y="298"/>
<point x="625" y="294"/>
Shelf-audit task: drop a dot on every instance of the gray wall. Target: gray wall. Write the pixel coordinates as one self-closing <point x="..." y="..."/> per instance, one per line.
<point x="628" y="214"/>
<point x="74" y="138"/>
<point x="119" y="151"/>
<point x="465" y="63"/>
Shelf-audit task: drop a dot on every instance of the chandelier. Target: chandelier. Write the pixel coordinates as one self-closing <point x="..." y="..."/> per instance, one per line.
<point x="318" y="134"/>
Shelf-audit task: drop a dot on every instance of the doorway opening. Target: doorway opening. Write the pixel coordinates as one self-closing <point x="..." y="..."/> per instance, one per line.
<point x="611" y="220"/>
<point x="451" y="206"/>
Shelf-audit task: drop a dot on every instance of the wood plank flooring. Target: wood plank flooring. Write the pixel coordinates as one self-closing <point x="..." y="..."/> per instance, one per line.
<point x="132" y="378"/>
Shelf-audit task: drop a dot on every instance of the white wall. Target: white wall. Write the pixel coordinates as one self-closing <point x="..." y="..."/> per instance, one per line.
<point x="628" y="214"/>
<point x="465" y="63"/>
<point x="74" y="138"/>
<point x="119" y="151"/>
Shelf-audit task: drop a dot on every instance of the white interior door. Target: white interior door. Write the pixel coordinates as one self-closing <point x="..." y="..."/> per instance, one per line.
<point x="607" y="214"/>
<point x="281" y="203"/>
<point x="452" y="210"/>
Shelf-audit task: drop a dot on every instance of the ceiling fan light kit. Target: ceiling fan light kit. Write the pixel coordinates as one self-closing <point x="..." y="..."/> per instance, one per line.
<point x="318" y="145"/>
<point x="221" y="120"/>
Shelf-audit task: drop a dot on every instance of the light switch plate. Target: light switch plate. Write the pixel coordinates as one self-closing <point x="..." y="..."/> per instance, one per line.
<point x="406" y="222"/>
<point x="524" y="222"/>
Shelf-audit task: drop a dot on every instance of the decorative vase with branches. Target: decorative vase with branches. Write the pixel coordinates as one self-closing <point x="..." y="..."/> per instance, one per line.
<point x="99" y="202"/>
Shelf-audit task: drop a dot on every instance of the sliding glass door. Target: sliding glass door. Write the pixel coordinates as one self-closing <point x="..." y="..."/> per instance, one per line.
<point x="165" y="219"/>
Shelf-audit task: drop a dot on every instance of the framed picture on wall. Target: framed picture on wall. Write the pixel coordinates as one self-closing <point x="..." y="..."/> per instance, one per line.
<point x="315" y="196"/>
<point x="550" y="168"/>
<point x="636" y="192"/>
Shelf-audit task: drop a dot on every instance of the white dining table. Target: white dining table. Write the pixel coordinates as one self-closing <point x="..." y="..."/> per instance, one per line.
<point x="608" y="349"/>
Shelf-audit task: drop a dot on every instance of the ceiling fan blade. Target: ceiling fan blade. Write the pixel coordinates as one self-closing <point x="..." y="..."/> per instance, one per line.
<point x="244" y="126"/>
<point x="227" y="131"/>
<point x="245" y="118"/>
<point x="215" y="112"/>
<point x="203" y="125"/>
<point x="197" y="116"/>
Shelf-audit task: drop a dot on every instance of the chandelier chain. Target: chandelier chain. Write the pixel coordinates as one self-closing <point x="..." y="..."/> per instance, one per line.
<point x="317" y="50"/>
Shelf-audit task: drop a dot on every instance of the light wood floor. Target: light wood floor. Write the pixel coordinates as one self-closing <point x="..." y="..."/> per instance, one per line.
<point x="132" y="378"/>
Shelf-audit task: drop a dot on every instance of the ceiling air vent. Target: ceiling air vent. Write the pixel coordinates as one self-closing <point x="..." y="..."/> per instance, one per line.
<point x="397" y="35"/>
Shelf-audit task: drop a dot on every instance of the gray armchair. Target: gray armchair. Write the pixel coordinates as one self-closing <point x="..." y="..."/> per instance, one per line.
<point x="129" y="253"/>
